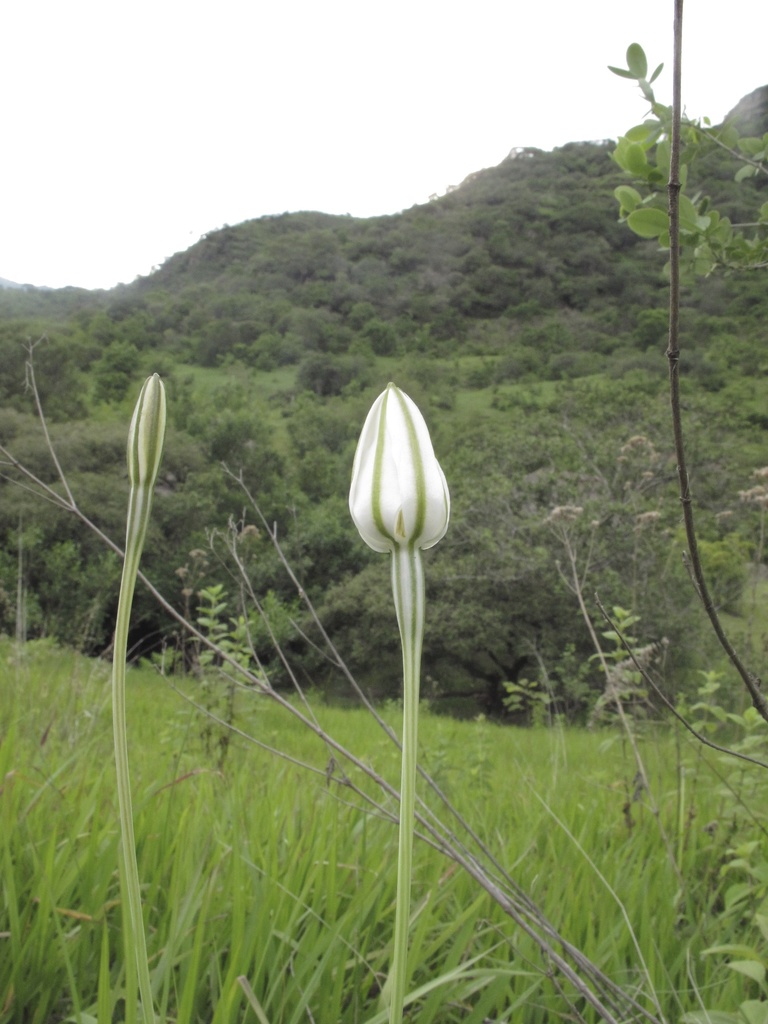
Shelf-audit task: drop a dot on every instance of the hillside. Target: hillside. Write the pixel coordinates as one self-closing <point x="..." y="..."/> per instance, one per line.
<point x="530" y="326"/>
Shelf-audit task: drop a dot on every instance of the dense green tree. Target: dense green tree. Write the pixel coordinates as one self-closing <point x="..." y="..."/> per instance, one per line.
<point x="527" y="323"/>
<point x="115" y="371"/>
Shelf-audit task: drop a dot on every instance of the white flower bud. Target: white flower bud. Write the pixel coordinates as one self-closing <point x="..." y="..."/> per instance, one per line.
<point x="399" y="495"/>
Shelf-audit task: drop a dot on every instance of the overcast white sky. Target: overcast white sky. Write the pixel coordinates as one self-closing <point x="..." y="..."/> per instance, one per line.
<point x="129" y="130"/>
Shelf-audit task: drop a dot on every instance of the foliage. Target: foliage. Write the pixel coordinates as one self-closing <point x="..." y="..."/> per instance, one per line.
<point x="708" y="236"/>
<point x="527" y="697"/>
<point x="526" y="323"/>
<point x="230" y="638"/>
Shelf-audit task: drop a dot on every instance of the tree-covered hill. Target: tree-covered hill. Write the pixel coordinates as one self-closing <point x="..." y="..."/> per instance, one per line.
<point x="530" y="326"/>
<point x="524" y="242"/>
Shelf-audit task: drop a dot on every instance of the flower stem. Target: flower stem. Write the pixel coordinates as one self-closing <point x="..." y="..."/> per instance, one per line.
<point x="134" y="938"/>
<point x="408" y="590"/>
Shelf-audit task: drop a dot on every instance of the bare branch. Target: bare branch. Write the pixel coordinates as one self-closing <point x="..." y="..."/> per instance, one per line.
<point x="751" y="681"/>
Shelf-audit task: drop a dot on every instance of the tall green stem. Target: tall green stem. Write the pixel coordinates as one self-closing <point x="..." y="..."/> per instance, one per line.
<point x="135" y="940"/>
<point x="399" y="501"/>
<point x="145" y="449"/>
<point x="408" y="589"/>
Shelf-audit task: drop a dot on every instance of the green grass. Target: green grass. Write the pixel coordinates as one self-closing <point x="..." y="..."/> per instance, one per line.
<point x="259" y="870"/>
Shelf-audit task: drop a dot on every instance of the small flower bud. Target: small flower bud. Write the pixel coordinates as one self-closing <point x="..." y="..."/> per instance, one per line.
<point x="147" y="434"/>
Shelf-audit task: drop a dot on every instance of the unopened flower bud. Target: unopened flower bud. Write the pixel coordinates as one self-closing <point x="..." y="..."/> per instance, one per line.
<point x="399" y="494"/>
<point x="147" y="434"/>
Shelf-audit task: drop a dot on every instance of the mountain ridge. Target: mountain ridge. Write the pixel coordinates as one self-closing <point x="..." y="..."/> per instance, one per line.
<point x="750" y="114"/>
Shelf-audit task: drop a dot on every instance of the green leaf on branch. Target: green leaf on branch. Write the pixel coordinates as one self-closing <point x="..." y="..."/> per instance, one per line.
<point x="752" y="147"/>
<point x="636" y="61"/>
<point x="621" y="72"/>
<point x="636" y="160"/>
<point x="747" y="171"/>
<point x="722" y="230"/>
<point x="689" y="216"/>
<point x="641" y="133"/>
<point x="728" y="135"/>
<point x="648" y="222"/>
<point x="629" y="198"/>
